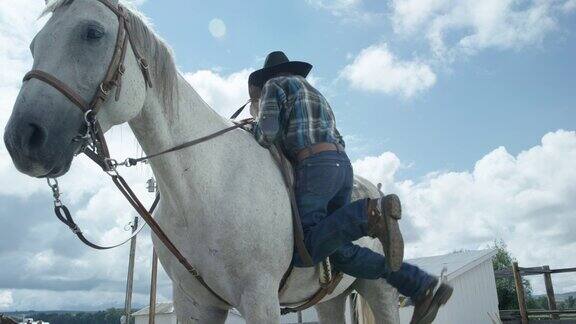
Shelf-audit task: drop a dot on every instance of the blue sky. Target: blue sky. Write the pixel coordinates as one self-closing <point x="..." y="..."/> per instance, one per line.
<point x="464" y="108"/>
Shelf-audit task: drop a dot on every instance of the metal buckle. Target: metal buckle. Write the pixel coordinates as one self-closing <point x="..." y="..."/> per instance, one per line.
<point x="111" y="164"/>
<point x="89" y="120"/>
<point x="126" y="163"/>
<point x="143" y="63"/>
<point x="194" y="272"/>
<point x="53" y="184"/>
<point x="104" y="91"/>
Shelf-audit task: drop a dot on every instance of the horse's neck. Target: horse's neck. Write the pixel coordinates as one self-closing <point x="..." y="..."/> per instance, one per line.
<point x="158" y="128"/>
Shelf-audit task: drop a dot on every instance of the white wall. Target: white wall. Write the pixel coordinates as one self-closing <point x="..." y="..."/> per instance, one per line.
<point x="474" y="297"/>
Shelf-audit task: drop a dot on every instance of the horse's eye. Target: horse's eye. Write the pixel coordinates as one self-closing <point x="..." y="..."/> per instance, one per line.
<point x="93" y="33"/>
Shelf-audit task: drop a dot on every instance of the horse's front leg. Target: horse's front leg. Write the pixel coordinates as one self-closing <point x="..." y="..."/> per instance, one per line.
<point x="259" y="301"/>
<point x="188" y="311"/>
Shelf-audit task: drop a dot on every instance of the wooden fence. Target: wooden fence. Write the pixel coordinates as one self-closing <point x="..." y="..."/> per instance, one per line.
<point x="517" y="272"/>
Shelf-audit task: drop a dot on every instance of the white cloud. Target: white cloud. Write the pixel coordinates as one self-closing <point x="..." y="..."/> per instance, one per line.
<point x="378" y="169"/>
<point x="335" y="4"/>
<point x="452" y="28"/>
<point x="349" y="10"/>
<point x="455" y="27"/>
<point x="224" y="93"/>
<point x="569" y="6"/>
<point x="379" y="70"/>
<point x="527" y="200"/>
<point x="134" y="2"/>
<point x="5" y="299"/>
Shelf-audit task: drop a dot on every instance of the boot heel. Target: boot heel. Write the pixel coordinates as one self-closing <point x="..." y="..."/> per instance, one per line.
<point x="394" y="247"/>
<point x="383" y="216"/>
<point x="393" y="206"/>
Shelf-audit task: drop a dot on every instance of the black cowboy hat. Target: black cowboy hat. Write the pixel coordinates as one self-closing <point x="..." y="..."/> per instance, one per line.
<point x="278" y="62"/>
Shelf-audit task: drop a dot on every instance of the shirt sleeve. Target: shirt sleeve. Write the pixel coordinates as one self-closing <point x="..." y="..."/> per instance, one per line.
<point x="267" y="127"/>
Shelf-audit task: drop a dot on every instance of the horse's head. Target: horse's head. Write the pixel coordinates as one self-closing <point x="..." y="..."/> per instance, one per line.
<point x="76" y="47"/>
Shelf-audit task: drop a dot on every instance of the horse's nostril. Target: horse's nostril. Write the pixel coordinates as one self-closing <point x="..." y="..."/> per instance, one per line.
<point x="35" y="136"/>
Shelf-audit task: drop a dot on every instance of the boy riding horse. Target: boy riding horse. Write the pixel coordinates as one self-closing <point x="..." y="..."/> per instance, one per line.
<point x="294" y="115"/>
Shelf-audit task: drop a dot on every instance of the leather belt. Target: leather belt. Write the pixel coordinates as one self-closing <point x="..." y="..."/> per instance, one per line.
<point x="317" y="148"/>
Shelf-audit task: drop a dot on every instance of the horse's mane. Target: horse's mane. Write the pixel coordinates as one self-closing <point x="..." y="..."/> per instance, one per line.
<point x="150" y="45"/>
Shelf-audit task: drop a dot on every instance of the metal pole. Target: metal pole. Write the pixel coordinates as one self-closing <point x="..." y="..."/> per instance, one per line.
<point x="130" y="280"/>
<point x="550" y="292"/>
<point x="520" y="293"/>
<point x="152" y="309"/>
<point x="299" y="317"/>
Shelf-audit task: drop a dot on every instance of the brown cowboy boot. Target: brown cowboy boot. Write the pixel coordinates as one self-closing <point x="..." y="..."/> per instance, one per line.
<point x="426" y="307"/>
<point x="383" y="216"/>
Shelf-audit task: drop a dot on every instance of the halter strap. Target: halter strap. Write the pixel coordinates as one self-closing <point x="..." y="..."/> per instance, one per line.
<point x="110" y="6"/>
<point x="64" y="215"/>
<point x="60" y="86"/>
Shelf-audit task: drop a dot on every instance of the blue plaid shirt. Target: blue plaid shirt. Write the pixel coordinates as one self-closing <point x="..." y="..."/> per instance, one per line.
<point x="295" y="115"/>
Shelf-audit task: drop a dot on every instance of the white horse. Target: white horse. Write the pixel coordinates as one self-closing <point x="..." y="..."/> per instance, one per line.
<point x="224" y="203"/>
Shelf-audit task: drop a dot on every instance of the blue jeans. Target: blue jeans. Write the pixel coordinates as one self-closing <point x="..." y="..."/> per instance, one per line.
<point x="331" y="223"/>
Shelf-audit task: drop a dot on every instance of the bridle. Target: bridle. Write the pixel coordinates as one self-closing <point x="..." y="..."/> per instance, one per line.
<point x="94" y="143"/>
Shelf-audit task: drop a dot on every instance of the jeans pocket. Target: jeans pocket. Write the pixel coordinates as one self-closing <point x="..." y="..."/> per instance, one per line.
<point x="323" y="178"/>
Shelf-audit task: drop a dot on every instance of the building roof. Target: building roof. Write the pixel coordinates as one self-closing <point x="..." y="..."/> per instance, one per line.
<point x="161" y="308"/>
<point x="456" y="263"/>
